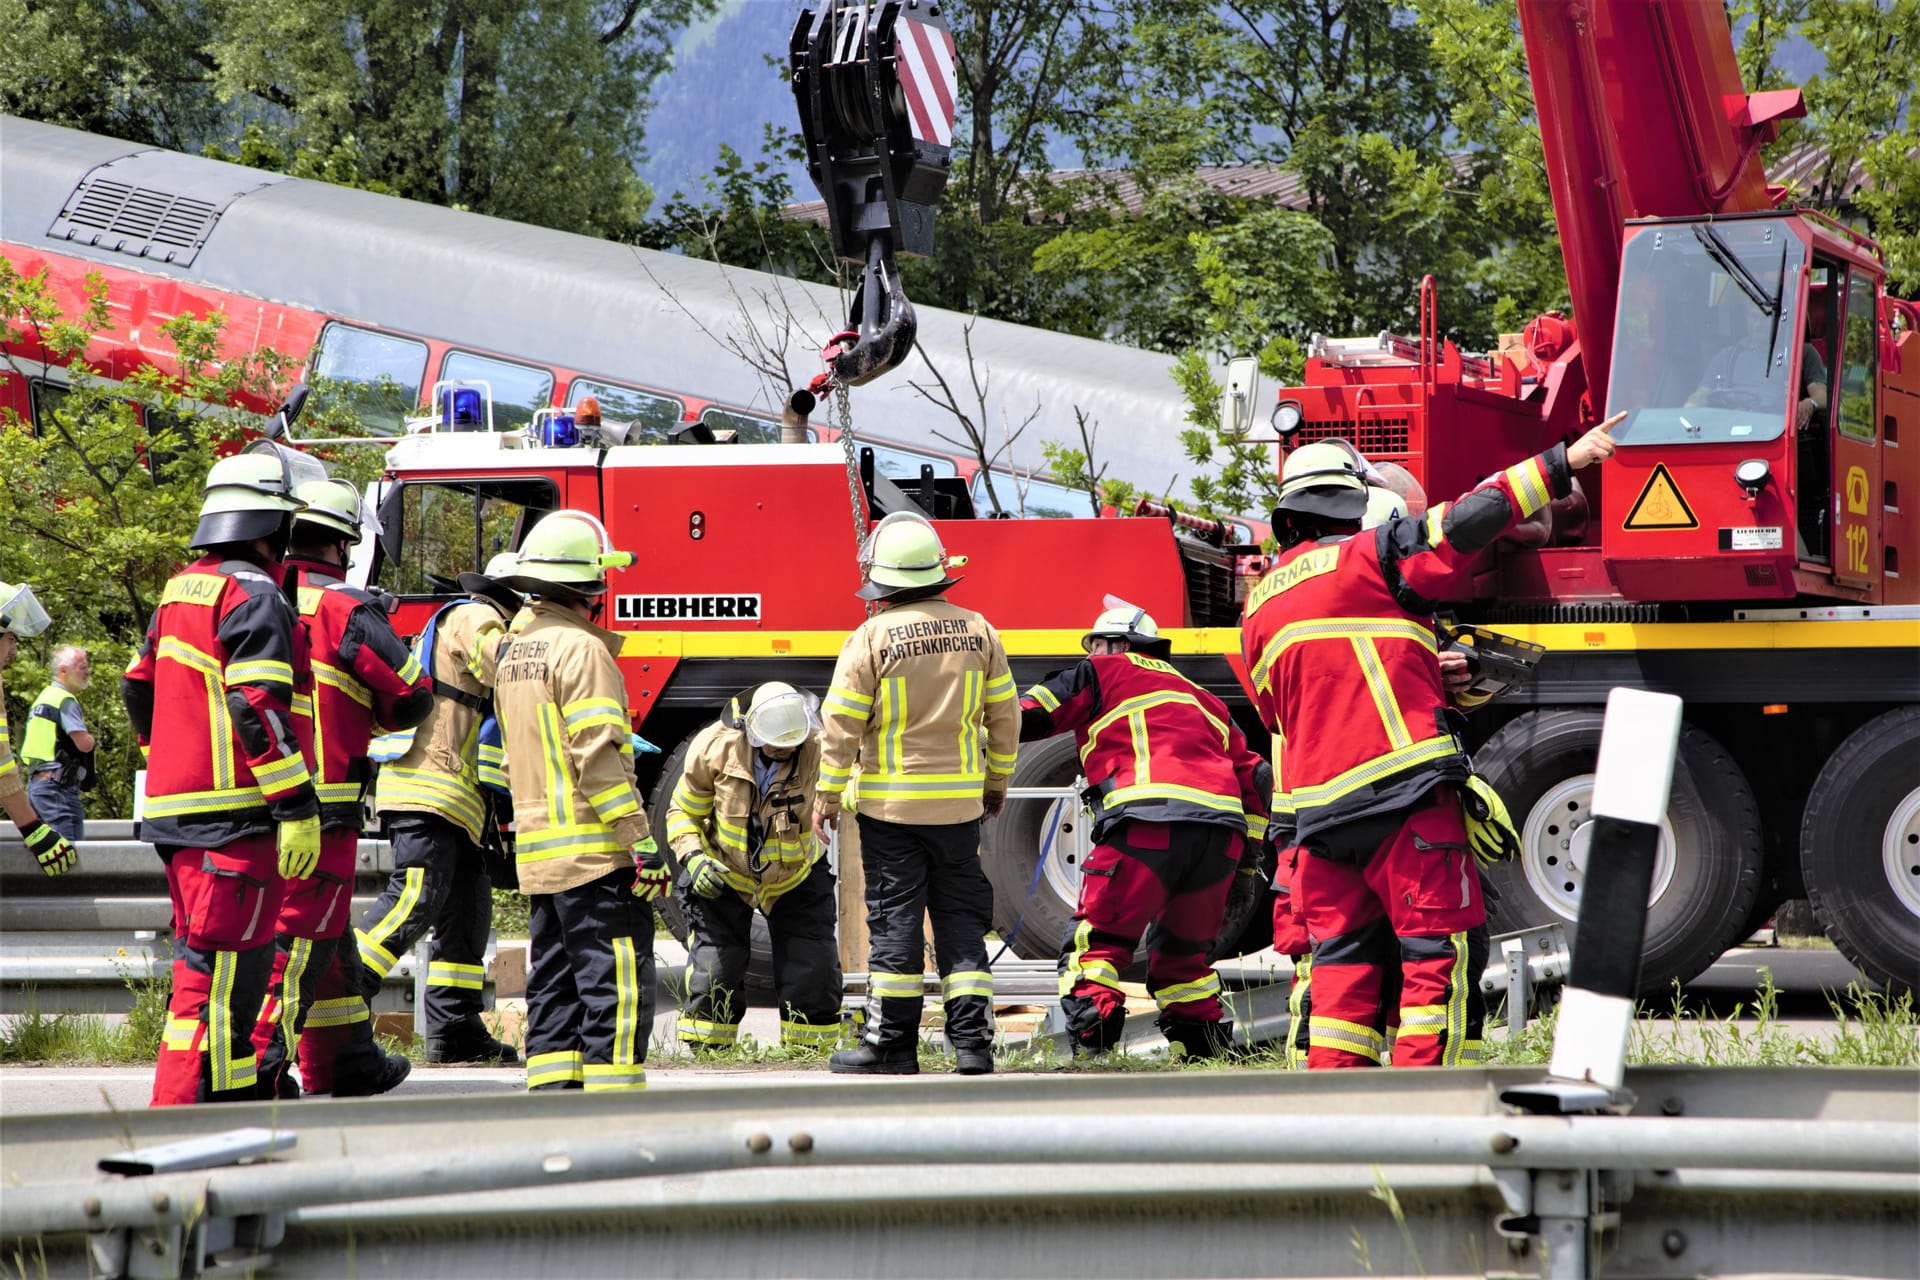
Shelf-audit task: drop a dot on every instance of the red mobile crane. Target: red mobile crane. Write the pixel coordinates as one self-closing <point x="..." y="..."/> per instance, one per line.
<point x="1753" y="546"/>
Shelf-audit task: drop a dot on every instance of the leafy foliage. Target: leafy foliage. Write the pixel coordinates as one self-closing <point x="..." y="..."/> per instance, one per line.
<point x="106" y="494"/>
<point x="533" y="112"/>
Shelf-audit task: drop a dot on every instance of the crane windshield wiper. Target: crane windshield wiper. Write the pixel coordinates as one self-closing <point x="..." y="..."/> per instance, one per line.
<point x="1730" y="262"/>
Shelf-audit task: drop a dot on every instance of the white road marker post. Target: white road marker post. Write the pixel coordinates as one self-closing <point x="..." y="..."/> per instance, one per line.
<point x="1630" y="788"/>
<point x="1565" y="1209"/>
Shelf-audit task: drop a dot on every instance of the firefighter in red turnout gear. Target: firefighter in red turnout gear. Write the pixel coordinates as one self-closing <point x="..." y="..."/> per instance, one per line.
<point x="230" y="803"/>
<point x="1176" y="797"/>
<point x="1339" y="643"/>
<point x="363" y="679"/>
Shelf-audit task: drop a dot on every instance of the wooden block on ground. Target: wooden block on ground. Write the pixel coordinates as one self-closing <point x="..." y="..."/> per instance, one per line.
<point x="509" y="970"/>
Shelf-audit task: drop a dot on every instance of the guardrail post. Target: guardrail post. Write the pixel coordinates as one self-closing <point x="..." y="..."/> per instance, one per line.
<point x="422" y="961"/>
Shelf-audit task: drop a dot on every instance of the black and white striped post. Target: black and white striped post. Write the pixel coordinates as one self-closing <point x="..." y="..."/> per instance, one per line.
<point x="1564" y="1208"/>
<point x="1630" y="788"/>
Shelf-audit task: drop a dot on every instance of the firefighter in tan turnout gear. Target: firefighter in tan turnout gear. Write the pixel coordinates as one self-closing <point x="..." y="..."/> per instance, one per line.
<point x="582" y="850"/>
<point x="435" y="810"/>
<point x="923" y="700"/>
<point x="738" y="822"/>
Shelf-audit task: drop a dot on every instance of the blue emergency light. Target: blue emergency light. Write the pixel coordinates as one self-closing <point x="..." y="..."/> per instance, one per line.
<point x="558" y="432"/>
<point x="461" y="409"/>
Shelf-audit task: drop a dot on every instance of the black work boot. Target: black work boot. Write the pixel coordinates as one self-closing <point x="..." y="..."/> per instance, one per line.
<point x="869" y="1059"/>
<point x="280" y="1084"/>
<point x="1200" y="1039"/>
<point x="973" y="1062"/>
<point x="379" y="1075"/>
<point x="468" y="1041"/>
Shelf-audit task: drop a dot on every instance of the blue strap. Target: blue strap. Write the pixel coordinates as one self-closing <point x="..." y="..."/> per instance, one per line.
<point x="1039" y="865"/>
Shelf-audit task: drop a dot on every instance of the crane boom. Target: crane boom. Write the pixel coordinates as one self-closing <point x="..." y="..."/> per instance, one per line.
<point x="1642" y="115"/>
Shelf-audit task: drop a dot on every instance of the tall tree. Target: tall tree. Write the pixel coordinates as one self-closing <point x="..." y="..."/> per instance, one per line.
<point x="531" y="111"/>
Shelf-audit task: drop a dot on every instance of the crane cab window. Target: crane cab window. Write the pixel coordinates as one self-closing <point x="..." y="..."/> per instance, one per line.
<point x="647" y="415"/>
<point x="375" y="375"/>
<point x="752" y="429"/>
<point x="1859" y="356"/>
<point x="431" y="533"/>
<point x="518" y="389"/>
<point x="1707" y="332"/>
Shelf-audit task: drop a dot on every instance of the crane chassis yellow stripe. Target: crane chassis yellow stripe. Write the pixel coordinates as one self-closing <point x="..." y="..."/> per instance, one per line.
<point x="1559" y="636"/>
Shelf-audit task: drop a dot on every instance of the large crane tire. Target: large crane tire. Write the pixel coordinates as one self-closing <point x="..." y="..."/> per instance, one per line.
<point x="1860" y="848"/>
<point x="1708" y="871"/>
<point x="1033" y="907"/>
<point x="760" y="964"/>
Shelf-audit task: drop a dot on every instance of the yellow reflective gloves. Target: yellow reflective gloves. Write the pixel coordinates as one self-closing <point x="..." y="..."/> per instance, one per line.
<point x="1490" y="831"/>
<point x="651" y="879"/>
<point x="53" y="851"/>
<point x="299" y="847"/>
<point x="706" y="873"/>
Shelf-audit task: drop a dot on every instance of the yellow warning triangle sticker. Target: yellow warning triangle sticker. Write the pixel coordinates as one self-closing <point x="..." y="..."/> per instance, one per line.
<point x="1660" y="505"/>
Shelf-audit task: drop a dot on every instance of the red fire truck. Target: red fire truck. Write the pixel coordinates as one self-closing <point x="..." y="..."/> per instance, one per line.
<point x="1754" y="546"/>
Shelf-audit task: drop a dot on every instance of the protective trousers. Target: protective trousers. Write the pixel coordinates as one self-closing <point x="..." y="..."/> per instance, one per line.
<point x="932" y="870"/>
<point x="438" y="879"/>
<point x="1406" y="910"/>
<point x="806" y="962"/>
<point x="589" y="986"/>
<point x="225" y="902"/>
<point x="1174" y="875"/>
<point x="315" y="984"/>
<point x="1290" y="940"/>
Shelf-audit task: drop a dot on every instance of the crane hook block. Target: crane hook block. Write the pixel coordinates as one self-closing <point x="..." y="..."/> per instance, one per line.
<point x="876" y="87"/>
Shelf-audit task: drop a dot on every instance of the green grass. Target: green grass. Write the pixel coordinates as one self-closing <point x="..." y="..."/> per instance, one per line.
<point x="510" y="913"/>
<point x="85" y="1039"/>
<point x="1869" y="1030"/>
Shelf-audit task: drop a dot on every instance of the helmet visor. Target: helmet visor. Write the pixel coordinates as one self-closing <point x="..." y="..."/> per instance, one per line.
<point x="784" y="720"/>
<point x="21" y="612"/>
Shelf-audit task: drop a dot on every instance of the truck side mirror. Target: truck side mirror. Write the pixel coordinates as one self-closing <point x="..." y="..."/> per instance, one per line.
<point x="1237" y="401"/>
<point x="281" y="423"/>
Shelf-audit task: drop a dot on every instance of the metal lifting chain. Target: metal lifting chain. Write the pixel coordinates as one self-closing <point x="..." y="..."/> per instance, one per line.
<point x="843" y="412"/>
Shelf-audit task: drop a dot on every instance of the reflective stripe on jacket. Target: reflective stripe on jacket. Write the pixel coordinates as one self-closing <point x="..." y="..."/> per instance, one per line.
<point x="562" y="704"/>
<point x="1339" y="642"/>
<point x="764" y="840"/>
<point x="438" y="774"/>
<point x="923" y="699"/>
<point x="210" y="692"/>
<point x="363" y="677"/>
<point x="1155" y="746"/>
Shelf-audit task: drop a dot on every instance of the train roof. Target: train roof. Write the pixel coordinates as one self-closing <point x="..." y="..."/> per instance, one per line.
<point x="612" y="310"/>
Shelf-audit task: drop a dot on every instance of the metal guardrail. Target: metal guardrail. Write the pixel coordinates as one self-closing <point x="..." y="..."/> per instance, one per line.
<point x="1732" y="1171"/>
<point x="75" y="943"/>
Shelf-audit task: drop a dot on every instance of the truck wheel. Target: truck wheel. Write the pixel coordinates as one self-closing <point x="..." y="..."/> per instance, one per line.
<point x="1034" y="902"/>
<point x="760" y="963"/>
<point x="1860" y="848"/>
<point x="1707" y="871"/>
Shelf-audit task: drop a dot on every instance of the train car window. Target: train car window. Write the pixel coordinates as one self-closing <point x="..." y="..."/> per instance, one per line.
<point x="752" y="429"/>
<point x="43" y="399"/>
<point x="517" y="389"/>
<point x="1031" y="498"/>
<point x="895" y="463"/>
<point x="375" y="375"/>
<point x="652" y="415"/>
<point x="430" y="534"/>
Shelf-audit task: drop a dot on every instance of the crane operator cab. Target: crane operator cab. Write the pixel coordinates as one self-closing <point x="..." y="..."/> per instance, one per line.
<point x="1746" y="351"/>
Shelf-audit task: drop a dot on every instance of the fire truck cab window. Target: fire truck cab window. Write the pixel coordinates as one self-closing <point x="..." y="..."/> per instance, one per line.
<point x="752" y="430"/>
<point x="1859" y="356"/>
<point x="517" y="389"/>
<point x="378" y="374"/>
<point x="650" y="416"/>
<point x="1707" y="331"/>
<point x="1031" y="499"/>
<point x="433" y="533"/>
